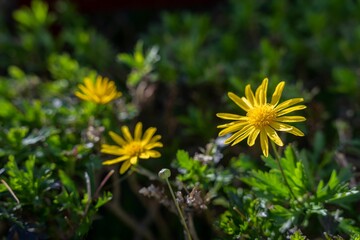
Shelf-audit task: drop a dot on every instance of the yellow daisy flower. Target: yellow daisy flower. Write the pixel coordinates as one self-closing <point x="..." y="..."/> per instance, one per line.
<point x="101" y="91"/>
<point x="262" y="118"/>
<point x="131" y="149"/>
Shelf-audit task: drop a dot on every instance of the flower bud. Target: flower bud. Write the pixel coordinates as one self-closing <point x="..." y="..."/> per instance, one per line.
<point x="164" y="173"/>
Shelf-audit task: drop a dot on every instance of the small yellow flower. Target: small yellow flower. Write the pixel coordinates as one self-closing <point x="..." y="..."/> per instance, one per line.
<point x="101" y="91"/>
<point x="131" y="149"/>
<point x="262" y="118"/>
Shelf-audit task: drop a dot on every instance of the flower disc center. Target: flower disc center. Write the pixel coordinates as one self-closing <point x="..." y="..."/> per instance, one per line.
<point x="134" y="148"/>
<point x="261" y="116"/>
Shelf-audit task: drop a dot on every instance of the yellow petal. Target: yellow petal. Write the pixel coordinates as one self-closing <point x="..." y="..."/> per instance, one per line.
<point x="238" y="101"/>
<point x="261" y="92"/>
<point x="280" y="126"/>
<point x="98" y="85"/>
<point x="119" y="140"/>
<point x="85" y="90"/>
<point x="134" y="160"/>
<point x="233" y="137"/>
<point x="155" y="139"/>
<point x="226" y="125"/>
<point x="290" y="109"/>
<point x="247" y="102"/>
<point x="153" y="145"/>
<point x="252" y="137"/>
<point x="148" y="135"/>
<point x="277" y="93"/>
<point x="82" y="96"/>
<point x="230" y="124"/>
<point x="126" y="133"/>
<point x="144" y="155"/>
<point x="273" y="136"/>
<point x="288" y="103"/>
<point x="89" y="84"/>
<point x="291" y="119"/>
<point x="235" y="127"/>
<point x="229" y="116"/>
<point x="125" y="166"/>
<point x="150" y="154"/>
<point x="111" y="149"/>
<point x="246" y="133"/>
<point x="295" y="131"/>
<point x="154" y="154"/>
<point x="264" y="143"/>
<point x="115" y="160"/>
<point x="250" y="95"/>
<point x="138" y="131"/>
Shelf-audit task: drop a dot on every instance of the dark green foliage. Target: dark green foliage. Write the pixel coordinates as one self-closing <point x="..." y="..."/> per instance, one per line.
<point x="179" y="73"/>
<point x="292" y="208"/>
<point x="36" y="194"/>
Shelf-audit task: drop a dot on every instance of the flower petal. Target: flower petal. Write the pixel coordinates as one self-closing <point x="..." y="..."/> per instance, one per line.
<point x="98" y="84"/>
<point x="229" y="116"/>
<point x="290" y="109"/>
<point x="151" y="154"/>
<point x="288" y="103"/>
<point x="277" y="93"/>
<point x="125" y="166"/>
<point x="85" y="90"/>
<point x="82" y="96"/>
<point x="249" y="95"/>
<point x="291" y="119"/>
<point x="264" y="143"/>
<point x="126" y="133"/>
<point x="261" y="92"/>
<point x="153" y="145"/>
<point x="119" y="140"/>
<point x="245" y="134"/>
<point x="148" y="135"/>
<point x="138" y="131"/>
<point x="273" y="136"/>
<point x="235" y="127"/>
<point x="134" y="160"/>
<point x="295" y="131"/>
<point x="89" y="84"/>
<point x="280" y="126"/>
<point x="252" y="137"/>
<point x="112" y="149"/>
<point x="233" y="137"/>
<point x="155" y="139"/>
<point x="239" y="101"/>
<point x="115" y="160"/>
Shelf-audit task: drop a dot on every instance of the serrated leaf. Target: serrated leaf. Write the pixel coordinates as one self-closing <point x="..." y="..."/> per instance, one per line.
<point x="350" y="195"/>
<point x="68" y="183"/>
<point x="184" y="160"/>
<point x="106" y="197"/>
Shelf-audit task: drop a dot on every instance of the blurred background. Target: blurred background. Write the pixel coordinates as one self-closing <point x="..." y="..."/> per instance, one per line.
<point x="195" y="51"/>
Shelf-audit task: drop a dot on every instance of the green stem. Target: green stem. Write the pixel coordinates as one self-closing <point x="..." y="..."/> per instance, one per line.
<point x="179" y="210"/>
<point x="277" y="157"/>
<point x="145" y="172"/>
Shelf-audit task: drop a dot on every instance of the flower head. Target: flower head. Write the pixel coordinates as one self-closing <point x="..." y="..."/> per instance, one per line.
<point x="262" y="118"/>
<point x="130" y="149"/>
<point x="101" y="91"/>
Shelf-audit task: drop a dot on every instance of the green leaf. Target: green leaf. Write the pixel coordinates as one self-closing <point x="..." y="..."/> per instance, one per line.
<point x="184" y="160"/>
<point x="68" y="183"/>
<point x="106" y="197"/>
<point x="7" y="109"/>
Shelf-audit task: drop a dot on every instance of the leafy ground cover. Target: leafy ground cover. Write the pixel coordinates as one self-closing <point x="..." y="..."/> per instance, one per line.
<point x="241" y="122"/>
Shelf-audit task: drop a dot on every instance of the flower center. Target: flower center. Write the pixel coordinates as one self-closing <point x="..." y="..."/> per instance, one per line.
<point x="261" y="116"/>
<point x="134" y="148"/>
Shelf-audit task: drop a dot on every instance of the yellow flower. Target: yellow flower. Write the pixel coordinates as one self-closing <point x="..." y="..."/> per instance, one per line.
<point x="262" y="118"/>
<point x="130" y="149"/>
<point x="101" y="91"/>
